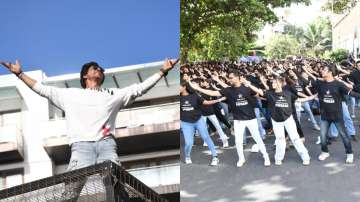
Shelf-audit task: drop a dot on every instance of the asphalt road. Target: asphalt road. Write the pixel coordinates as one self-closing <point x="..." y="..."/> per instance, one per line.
<point x="331" y="180"/>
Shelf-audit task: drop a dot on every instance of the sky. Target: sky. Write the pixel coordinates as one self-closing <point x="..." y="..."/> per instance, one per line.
<point x="301" y="14"/>
<point x="58" y="37"/>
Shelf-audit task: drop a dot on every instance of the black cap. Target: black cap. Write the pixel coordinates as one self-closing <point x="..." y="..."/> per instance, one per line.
<point x="85" y="69"/>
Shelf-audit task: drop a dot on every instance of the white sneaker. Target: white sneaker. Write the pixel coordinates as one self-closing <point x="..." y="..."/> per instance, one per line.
<point x="240" y="163"/>
<point x="318" y="140"/>
<point x="316" y="127"/>
<point x="267" y="161"/>
<point x="188" y="161"/>
<point x="353" y="116"/>
<point x="255" y="148"/>
<point x="225" y="143"/>
<point x="349" y="158"/>
<point x="205" y="145"/>
<point x="214" y="161"/>
<point x="323" y="156"/>
<point x="278" y="162"/>
<point x="306" y="162"/>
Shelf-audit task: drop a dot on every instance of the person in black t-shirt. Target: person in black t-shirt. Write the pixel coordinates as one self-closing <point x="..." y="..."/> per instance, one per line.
<point x="208" y="113"/>
<point x="191" y="120"/>
<point x="241" y="102"/>
<point x="330" y="92"/>
<point x="280" y="105"/>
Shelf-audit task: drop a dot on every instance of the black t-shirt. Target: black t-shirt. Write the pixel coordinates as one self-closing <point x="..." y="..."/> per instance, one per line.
<point x="294" y="91"/>
<point x="355" y="78"/>
<point x="190" y="107"/>
<point x="330" y="96"/>
<point x="207" y="110"/>
<point x="280" y="104"/>
<point x="241" y="102"/>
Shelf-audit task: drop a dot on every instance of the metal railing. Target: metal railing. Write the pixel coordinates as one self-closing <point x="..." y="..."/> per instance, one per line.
<point x="102" y="182"/>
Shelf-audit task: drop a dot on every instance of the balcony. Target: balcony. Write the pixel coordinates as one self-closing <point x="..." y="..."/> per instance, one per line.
<point x="143" y="133"/>
<point x="162" y="179"/>
<point x="11" y="144"/>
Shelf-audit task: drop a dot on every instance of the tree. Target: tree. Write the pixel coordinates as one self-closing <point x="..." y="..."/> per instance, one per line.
<point x="317" y="37"/>
<point x="338" y="55"/>
<point x="223" y="21"/>
<point x="339" y="6"/>
<point x="293" y="30"/>
<point x="282" y="45"/>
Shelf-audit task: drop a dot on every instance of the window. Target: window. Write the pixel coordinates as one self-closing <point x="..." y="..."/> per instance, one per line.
<point x="10" y="178"/>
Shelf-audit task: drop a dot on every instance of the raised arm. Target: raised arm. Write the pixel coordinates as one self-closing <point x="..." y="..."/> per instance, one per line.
<point x="304" y="99"/>
<point x="308" y="73"/>
<point x="216" y="79"/>
<point x="17" y="70"/>
<point x="204" y="91"/>
<point x="211" y="102"/>
<point x="55" y="95"/>
<point x="253" y="88"/>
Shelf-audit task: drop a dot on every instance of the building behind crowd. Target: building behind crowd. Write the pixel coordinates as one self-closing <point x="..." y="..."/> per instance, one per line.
<point x="34" y="143"/>
<point x="346" y="30"/>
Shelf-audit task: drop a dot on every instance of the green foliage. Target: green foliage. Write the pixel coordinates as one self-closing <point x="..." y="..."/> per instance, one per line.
<point x="338" y="55"/>
<point x="317" y="37"/>
<point x="281" y="45"/>
<point x="293" y="30"/>
<point x="339" y="6"/>
<point x="213" y="29"/>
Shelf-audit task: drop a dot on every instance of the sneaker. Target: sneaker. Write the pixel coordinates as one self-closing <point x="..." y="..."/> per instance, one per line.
<point x="255" y="148"/>
<point x="225" y="143"/>
<point x="318" y="140"/>
<point x="240" y="163"/>
<point x="214" y="161"/>
<point x="205" y="145"/>
<point x="353" y="116"/>
<point x="278" y="162"/>
<point x="267" y="161"/>
<point x="188" y="161"/>
<point x="316" y="127"/>
<point x="306" y="162"/>
<point x="302" y="139"/>
<point x="349" y="158"/>
<point x="323" y="156"/>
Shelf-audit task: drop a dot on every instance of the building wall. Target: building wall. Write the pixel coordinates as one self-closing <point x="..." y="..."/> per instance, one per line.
<point x="346" y="32"/>
<point x="36" y="164"/>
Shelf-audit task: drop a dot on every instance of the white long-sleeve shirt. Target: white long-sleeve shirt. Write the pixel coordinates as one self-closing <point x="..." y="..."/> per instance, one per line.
<point x="91" y="113"/>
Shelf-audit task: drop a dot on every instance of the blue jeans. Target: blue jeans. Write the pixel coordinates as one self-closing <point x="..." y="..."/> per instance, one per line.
<point x="308" y="110"/>
<point x="85" y="154"/>
<point x="188" y="130"/>
<point x="351" y="102"/>
<point x="324" y="127"/>
<point x="260" y="125"/>
<point x="349" y="125"/>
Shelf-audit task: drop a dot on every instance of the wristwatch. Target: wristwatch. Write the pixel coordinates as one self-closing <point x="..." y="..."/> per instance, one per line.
<point x="165" y="72"/>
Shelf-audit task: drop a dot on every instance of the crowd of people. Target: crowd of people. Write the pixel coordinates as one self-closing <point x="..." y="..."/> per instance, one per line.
<point x="227" y="97"/>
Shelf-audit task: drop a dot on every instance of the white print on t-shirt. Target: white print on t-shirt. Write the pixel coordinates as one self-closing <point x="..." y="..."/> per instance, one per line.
<point x="187" y="106"/>
<point x="281" y="102"/>
<point x="328" y="98"/>
<point x="241" y="101"/>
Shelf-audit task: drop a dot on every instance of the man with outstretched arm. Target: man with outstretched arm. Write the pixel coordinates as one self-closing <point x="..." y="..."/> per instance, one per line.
<point x="90" y="113"/>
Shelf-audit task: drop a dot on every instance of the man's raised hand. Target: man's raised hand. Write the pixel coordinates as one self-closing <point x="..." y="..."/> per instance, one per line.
<point x="169" y="64"/>
<point x="14" y="68"/>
